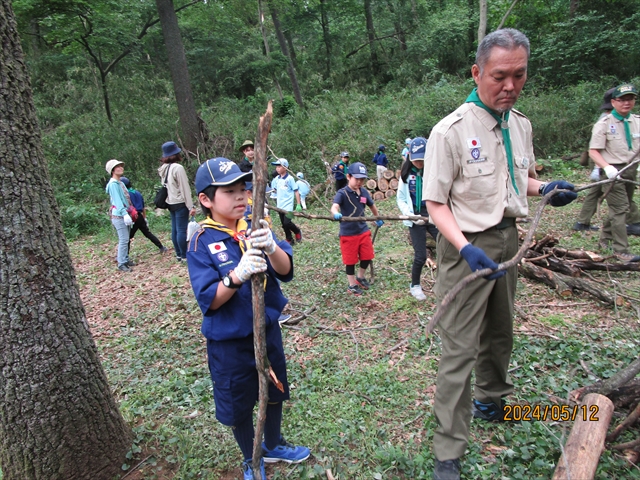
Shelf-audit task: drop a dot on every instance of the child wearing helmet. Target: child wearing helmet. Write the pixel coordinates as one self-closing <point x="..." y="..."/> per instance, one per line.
<point x="380" y="159"/>
<point x="221" y="260"/>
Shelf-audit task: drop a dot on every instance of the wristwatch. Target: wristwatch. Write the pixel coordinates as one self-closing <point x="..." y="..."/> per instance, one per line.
<point x="228" y="282"/>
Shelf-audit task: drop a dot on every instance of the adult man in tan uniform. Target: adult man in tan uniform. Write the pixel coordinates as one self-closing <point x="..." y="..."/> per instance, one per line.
<point x="615" y="139"/>
<point x="477" y="171"/>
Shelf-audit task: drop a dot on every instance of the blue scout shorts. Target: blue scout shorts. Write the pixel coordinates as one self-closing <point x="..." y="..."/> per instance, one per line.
<point x="235" y="379"/>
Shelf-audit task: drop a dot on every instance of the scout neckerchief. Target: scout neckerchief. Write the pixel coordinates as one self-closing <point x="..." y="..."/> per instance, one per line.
<point x="238" y="235"/>
<point x="504" y="127"/>
<point x="627" y="130"/>
<point x="418" y="174"/>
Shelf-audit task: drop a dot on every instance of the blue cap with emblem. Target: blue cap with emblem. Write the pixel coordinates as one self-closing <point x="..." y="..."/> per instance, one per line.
<point x="219" y="171"/>
<point x="357" y="170"/>
<point x="417" y="148"/>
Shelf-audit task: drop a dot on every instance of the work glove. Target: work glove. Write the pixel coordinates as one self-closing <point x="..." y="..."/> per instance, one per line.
<point x="610" y="171"/>
<point x="337" y="216"/>
<point x="379" y="223"/>
<point x="477" y="260"/>
<point x="262" y="239"/>
<point x="127" y="220"/>
<point x="419" y="222"/>
<point x="595" y="174"/>
<point x="298" y="208"/>
<point x="563" y="198"/>
<point x="252" y="262"/>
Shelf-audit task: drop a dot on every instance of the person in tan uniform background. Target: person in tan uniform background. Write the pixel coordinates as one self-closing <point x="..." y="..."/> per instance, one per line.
<point x="615" y="139"/>
<point x="478" y="175"/>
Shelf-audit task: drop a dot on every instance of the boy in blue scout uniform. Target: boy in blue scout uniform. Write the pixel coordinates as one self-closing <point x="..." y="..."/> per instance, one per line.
<point x="340" y="171"/>
<point x="221" y="258"/>
<point x="381" y="161"/>
<point x="355" y="237"/>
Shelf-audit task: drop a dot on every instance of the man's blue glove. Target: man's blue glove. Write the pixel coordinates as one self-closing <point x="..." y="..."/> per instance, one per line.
<point x="563" y="198"/>
<point x="337" y="216"/>
<point x="477" y="260"/>
<point x="379" y="223"/>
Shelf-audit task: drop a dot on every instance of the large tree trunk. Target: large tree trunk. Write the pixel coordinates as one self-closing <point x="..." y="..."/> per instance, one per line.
<point x="179" y="74"/>
<point x="285" y="51"/>
<point x="326" y="37"/>
<point x="371" y="36"/>
<point x="267" y="50"/>
<point x="482" y="24"/>
<point x="58" y="418"/>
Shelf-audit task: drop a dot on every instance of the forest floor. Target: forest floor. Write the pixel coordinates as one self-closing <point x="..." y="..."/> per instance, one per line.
<point x="361" y="369"/>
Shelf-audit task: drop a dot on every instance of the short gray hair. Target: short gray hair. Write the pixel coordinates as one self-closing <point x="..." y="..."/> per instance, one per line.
<point x="507" y="38"/>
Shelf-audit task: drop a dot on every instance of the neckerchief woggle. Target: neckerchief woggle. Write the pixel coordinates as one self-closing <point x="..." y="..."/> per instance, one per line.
<point x="239" y="235"/>
<point x="504" y="127"/>
<point x="418" y="174"/>
<point x="627" y="130"/>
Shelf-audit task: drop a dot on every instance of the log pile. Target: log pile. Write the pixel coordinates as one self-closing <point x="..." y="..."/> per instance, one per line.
<point x="386" y="187"/>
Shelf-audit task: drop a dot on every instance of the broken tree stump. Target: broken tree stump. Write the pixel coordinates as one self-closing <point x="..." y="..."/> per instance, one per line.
<point x="586" y="441"/>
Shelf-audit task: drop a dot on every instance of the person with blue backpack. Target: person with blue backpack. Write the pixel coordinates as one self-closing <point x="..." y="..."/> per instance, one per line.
<point x="137" y="200"/>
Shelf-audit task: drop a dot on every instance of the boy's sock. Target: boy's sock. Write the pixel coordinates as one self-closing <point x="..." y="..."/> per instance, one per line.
<point x="243" y="433"/>
<point x="272" y="425"/>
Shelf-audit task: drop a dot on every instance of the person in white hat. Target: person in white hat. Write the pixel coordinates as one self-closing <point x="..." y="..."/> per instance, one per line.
<point x="120" y="218"/>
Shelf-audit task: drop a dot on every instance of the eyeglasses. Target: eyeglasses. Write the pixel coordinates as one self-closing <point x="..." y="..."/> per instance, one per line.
<point x="632" y="98"/>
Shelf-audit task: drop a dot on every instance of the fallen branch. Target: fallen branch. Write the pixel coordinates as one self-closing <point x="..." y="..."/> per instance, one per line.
<point x="605" y="387"/>
<point x="627" y="446"/>
<point x="630" y="420"/>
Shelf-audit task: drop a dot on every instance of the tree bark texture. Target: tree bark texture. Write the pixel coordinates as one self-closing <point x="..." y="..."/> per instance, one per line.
<point x="267" y="50"/>
<point x="179" y="74"/>
<point x="58" y="418"/>
<point x="482" y="24"/>
<point x="285" y="51"/>
<point x="582" y="451"/>
<point x="326" y="37"/>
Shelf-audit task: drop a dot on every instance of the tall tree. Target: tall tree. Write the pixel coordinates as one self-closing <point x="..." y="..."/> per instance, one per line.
<point x="285" y="51"/>
<point x="371" y="36"/>
<point x="179" y="74"/>
<point x="482" y="24"/>
<point x="326" y="37"/>
<point x="58" y="418"/>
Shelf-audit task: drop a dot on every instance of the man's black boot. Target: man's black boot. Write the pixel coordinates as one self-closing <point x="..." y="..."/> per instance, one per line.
<point x="447" y="470"/>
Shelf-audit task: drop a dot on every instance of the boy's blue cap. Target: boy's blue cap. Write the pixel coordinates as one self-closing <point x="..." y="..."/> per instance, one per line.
<point x="382" y="148"/>
<point x="358" y="170"/>
<point x="283" y="161"/>
<point x="170" y="148"/>
<point x="219" y="171"/>
<point x="417" y="148"/>
<point x="126" y="181"/>
<point x="344" y="154"/>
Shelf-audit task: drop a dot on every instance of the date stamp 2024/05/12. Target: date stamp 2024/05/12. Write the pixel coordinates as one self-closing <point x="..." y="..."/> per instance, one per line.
<point x="555" y="413"/>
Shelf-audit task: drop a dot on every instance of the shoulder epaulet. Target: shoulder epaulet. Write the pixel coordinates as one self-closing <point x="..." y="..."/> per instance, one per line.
<point x="518" y="112"/>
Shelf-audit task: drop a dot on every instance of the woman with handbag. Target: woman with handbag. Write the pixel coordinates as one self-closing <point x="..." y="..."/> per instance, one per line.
<point x="179" y="198"/>
<point x="119" y="212"/>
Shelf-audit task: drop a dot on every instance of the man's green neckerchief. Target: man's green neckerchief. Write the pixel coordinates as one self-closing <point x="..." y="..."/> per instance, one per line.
<point x="627" y="130"/>
<point x="418" y="174"/>
<point x="504" y="127"/>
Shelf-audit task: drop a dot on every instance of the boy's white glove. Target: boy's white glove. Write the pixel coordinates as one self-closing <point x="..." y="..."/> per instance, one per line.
<point x="610" y="171"/>
<point x="595" y="174"/>
<point x="127" y="220"/>
<point x="252" y="262"/>
<point x="263" y="239"/>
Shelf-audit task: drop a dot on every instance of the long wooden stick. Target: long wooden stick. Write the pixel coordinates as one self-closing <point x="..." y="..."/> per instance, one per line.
<point x="257" y="289"/>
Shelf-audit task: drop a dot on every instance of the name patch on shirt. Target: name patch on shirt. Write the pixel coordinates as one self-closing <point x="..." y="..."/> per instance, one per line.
<point x="217" y="247"/>
<point x="477" y="160"/>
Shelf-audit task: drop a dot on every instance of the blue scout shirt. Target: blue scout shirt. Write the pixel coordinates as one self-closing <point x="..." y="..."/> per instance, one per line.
<point x="211" y="255"/>
<point x="340" y="170"/>
<point x="352" y="205"/>
<point x="380" y="159"/>
<point x="285" y="189"/>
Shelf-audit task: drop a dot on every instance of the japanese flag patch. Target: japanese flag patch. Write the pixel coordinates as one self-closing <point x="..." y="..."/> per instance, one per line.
<point x="473" y="143"/>
<point x="217" y="247"/>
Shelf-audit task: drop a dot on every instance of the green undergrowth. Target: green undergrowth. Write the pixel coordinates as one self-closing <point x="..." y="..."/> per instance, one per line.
<point x="361" y="369"/>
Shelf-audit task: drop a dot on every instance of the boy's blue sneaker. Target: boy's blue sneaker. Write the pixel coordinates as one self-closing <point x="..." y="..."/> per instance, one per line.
<point x="285" y="452"/>
<point x="489" y="412"/>
<point x="363" y="283"/>
<point x="248" y="473"/>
